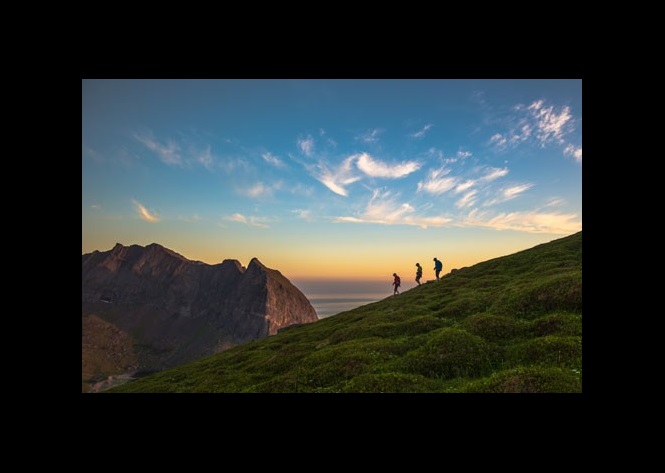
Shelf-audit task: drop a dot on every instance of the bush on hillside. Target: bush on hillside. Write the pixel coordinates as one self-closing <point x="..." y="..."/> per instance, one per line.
<point x="529" y="380"/>
<point x="551" y="350"/>
<point x="389" y="383"/>
<point x="494" y="327"/>
<point x="558" y="324"/>
<point x="449" y="353"/>
<point x="557" y="293"/>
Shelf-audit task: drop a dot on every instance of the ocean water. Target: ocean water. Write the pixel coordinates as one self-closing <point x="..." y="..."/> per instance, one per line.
<point x="330" y="297"/>
<point x="331" y="304"/>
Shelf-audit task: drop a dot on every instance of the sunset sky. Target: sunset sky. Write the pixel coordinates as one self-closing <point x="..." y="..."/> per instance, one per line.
<point x="341" y="179"/>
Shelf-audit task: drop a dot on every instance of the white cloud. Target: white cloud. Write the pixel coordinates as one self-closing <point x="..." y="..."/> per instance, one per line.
<point x="251" y="221"/>
<point x="464" y="186"/>
<point x="554" y="202"/>
<point x="498" y="140"/>
<point x="259" y="190"/>
<point x="509" y="193"/>
<point x="168" y="153"/>
<point x="375" y="168"/>
<point x="422" y="132"/>
<point x="493" y="174"/>
<point x="371" y="136"/>
<point x="437" y="183"/>
<point x="306" y="145"/>
<point x="237" y="218"/>
<point x="467" y="200"/>
<point x="145" y="214"/>
<point x="544" y="123"/>
<point x="461" y="155"/>
<point x="272" y="159"/>
<point x="528" y="222"/>
<point x="514" y="191"/>
<point x="337" y="178"/>
<point x="570" y="150"/>
<point x="551" y="126"/>
<point x="383" y="208"/>
<point x="95" y="207"/>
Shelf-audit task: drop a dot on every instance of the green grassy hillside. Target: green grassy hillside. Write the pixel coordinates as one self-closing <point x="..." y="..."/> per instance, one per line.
<point x="511" y="324"/>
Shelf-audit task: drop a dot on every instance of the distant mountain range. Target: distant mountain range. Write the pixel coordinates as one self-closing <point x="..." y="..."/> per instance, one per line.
<point x="148" y="308"/>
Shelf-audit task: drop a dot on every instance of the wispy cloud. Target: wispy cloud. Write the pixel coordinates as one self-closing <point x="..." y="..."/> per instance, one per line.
<point x="528" y="222"/>
<point x="467" y="200"/>
<point x="257" y="222"/>
<point x="375" y="168"/>
<point x="190" y="218"/>
<point x="554" y="202"/>
<point x="464" y="186"/>
<point x="306" y="145"/>
<point x="422" y="132"/>
<point x="571" y="150"/>
<point x="336" y="178"/>
<point x="204" y="158"/>
<point x="370" y="136"/>
<point x="494" y="174"/>
<point x="144" y="213"/>
<point x="303" y="214"/>
<point x="544" y="123"/>
<point x="498" y="140"/>
<point x="383" y="208"/>
<point x="272" y="159"/>
<point x="437" y="182"/>
<point x="509" y="193"/>
<point x="260" y="190"/>
<point x="169" y="153"/>
<point x="459" y="156"/>
<point x="551" y="125"/>
<point x="230" y="165"/>
<point x="95" y="155"/>
<point x="95" y="207"/>
<point x="434" y="153"/>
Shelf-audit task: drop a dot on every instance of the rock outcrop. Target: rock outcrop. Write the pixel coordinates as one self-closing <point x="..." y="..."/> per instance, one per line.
<point x="162" y="309"/>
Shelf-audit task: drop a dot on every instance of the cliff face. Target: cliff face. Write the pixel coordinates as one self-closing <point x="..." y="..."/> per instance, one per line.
<point x="174" y="310"/>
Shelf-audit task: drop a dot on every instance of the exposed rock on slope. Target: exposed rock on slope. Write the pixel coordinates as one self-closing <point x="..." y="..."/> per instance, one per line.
<point x="170" y="310"/>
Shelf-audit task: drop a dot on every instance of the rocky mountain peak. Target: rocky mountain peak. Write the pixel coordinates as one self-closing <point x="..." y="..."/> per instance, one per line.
<point x="175" y="310"/>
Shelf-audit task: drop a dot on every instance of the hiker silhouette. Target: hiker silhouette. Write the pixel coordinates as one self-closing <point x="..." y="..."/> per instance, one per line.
<point x="396" y="282"/>
<point x="419" y="273"/>
<point x="438" y="266"/>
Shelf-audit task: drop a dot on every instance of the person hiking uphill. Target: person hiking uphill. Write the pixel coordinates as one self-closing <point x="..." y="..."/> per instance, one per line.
<point x="396" y="283"/>
<point x="438" y="266"/>
<point x="419" y="273"/>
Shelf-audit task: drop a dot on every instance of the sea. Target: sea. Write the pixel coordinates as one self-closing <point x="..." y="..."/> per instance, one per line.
<point x="331" y="304"/>
<point x="330" y="297"/>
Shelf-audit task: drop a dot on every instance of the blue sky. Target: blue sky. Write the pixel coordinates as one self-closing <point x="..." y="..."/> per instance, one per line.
<point x="332" y="178"/>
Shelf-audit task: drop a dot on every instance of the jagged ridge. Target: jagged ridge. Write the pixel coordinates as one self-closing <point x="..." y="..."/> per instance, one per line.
<point x="176" y="310"/>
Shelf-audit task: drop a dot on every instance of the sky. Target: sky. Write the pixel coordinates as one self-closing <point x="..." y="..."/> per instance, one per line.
<point x="345" y="180"/>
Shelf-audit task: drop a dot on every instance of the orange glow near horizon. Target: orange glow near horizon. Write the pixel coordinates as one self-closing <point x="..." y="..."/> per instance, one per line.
<point x="368" y="260"/>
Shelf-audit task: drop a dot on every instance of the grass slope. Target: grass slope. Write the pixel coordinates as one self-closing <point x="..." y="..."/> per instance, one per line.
<point x="511" y="324"/>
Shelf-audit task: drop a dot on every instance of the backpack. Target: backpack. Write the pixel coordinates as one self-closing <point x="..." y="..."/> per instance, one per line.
<point x="439" y="265"/>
